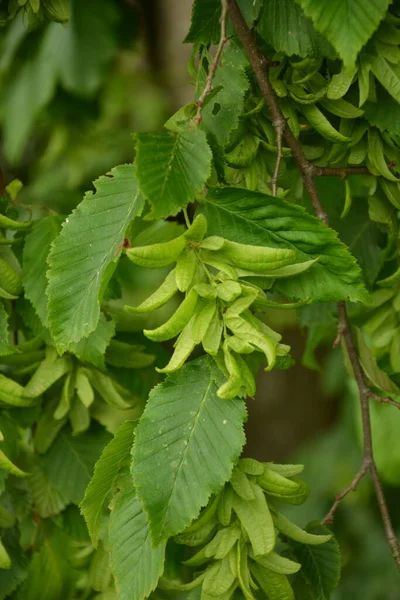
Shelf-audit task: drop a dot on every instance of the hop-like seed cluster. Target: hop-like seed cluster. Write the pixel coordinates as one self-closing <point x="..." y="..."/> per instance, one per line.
<point x="223" y="283"/>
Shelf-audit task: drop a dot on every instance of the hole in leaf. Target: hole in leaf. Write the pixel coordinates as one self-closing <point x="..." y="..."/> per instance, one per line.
<point x="216" y="108"/>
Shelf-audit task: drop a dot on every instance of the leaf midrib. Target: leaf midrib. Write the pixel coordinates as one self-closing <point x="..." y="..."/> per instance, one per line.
<point x="186" y="450"/>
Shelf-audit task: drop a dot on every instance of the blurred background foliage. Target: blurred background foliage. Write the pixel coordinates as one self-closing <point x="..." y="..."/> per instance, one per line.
<point x="70" y="98"/>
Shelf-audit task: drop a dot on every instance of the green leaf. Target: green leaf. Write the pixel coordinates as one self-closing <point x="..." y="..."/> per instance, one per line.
<point x="363" y="238"/>
<point x="131" y="549"/>
<point x="278" y="18"/>
<point x="92" y="348"/>
<point x="205" y="27"/>
<point x="36" y="250"/>
<point x="69" y="465"/>
<point x="115" y="456"/>
<point x="172" y="168"/>
<point x="256" y="520"/>
<point x="30" y="89"/>
<point x="347" y="24"/>
<point x="189" y="440"/>
<point x="49" y="573"/>
<point x="5" y="347"/>
<point x="7" y="465"/>
<point x="12" y="393"/>
<point x="89" y="242"/>
<point x="129" y="356"/>
<point x="385" y="113"/>
<point x="320" y="566"/>
<point x="220" y="116"/>
<point x="274" y="584"/>
<point x="92" y="25"/>
<point x="13" y="577"/>
<point x="387" y="74"/>
<point x="385" y="427"/>
<point x="258" y="219"/>
<point x="50" y="370"/>
<point x="47" y="500"/>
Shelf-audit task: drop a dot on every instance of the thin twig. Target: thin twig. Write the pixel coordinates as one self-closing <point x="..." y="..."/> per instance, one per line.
<point x="383" y="400"/>
<point x="365" y="467"/>
<point x="258" y="64"/>
<point x="341" y="172"/>
<point x="279" y="127"/>
<point x="340" y="331"/>
<point x="214" y="64"/>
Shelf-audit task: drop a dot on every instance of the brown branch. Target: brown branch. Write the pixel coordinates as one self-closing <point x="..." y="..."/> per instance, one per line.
<point x="214" y="64"/>
<point x="383" y="400"/>
<point x="365" y="467"/>
<point x="260" y="67"/>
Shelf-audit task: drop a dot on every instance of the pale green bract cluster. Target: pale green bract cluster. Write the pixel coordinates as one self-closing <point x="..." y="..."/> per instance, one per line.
<point x="233" y="543"/>
<point x="222" y="283"/>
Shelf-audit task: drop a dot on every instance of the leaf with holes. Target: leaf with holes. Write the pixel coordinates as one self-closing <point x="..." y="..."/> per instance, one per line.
<point x="186" y="444"/>
<point x="220" y="115"/>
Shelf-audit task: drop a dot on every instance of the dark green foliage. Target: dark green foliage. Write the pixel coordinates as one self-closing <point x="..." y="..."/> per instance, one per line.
<point x="117" y="483"/>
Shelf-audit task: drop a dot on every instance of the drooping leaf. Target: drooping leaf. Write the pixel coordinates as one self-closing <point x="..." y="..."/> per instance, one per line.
<point x="69" y="465"/>
<point x="36" y="250"/>
<point x="131" y="549"/>
<point x="347" y="24"/>
<point x="29" y="91"/>
<point x="320" y="566"/>
<point x="283" y="25"/>
<point x="92" y="348"/>
<point x="190" y="440"/>
<point x="258" y="219"/>
<point x="82" y="254"/>
<point x="172" y="168"/>
<point x="114" y="457"/>
<point x="92" y="25"/>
